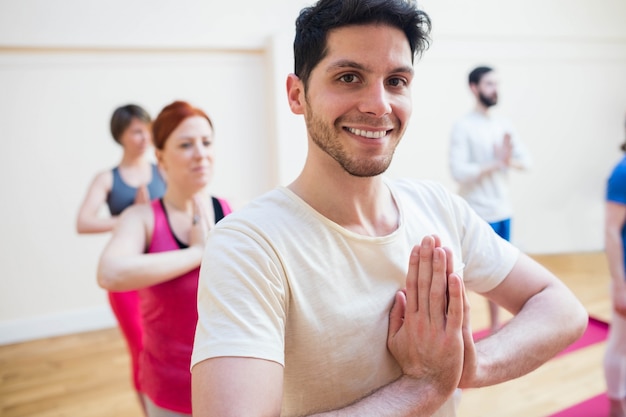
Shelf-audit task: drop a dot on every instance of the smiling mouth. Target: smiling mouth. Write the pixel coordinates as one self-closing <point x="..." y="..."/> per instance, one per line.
<point x="371" y="134"/>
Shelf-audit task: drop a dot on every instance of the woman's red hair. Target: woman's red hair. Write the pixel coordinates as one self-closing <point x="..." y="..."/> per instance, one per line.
<point x="170" y="117"/>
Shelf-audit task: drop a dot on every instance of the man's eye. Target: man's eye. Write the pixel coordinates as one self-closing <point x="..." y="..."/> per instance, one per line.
<point x="397" y="82"/>
<point x="348" y="78"/>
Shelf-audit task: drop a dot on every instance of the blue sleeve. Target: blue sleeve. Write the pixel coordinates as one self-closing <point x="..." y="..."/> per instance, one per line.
<point x="616" y="185"/>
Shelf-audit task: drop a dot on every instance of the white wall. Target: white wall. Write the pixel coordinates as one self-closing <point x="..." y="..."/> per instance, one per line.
<point x="561" y="66"/>
<point x="65" y="65"/>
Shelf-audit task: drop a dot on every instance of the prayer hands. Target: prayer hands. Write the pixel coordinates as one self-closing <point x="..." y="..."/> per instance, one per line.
<point x="504" y="151"/>
<point x="429" y="332"/>
<point x="201" y="223"/>
<point x="143" y="195"/>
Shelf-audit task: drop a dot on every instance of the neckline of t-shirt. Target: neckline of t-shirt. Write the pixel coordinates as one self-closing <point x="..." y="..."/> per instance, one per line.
<point x="342" y="230"/>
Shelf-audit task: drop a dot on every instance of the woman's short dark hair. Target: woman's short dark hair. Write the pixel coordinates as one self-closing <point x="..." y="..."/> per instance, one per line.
<point x="123" y="116"/>
<point x="314" y="23"/>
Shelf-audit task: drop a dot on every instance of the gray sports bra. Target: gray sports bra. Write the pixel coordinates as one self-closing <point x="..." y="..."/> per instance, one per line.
<point x="122" y="195"/>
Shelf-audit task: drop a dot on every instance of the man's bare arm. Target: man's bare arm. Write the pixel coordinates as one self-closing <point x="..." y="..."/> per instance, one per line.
<point x="547" y="319"/>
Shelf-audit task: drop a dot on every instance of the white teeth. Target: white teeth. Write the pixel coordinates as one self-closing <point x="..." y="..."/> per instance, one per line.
<point x="367" y="133"/>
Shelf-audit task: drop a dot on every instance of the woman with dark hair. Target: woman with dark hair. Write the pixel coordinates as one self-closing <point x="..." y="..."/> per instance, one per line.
<point x="134" y="180"/>
<point x="156" y="248"/>
<point x="615" y="247"/>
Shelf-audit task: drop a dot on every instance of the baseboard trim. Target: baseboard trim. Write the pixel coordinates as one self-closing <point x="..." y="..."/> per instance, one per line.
<point x="59" y="324"/>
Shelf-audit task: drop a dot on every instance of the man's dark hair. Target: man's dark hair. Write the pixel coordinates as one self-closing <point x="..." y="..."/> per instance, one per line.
<point x="314" y="23"/>
<point x="477" y="73"/>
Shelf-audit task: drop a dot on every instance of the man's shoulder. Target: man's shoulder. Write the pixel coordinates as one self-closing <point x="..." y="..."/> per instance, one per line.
<point x="273" y="207"/>
<point x="269" y="200"/>
<point x="433" y="201"/>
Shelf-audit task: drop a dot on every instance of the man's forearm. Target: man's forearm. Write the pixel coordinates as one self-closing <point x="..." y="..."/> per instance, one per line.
<point x="403" y="397"/>
<point x="548" y="323"/>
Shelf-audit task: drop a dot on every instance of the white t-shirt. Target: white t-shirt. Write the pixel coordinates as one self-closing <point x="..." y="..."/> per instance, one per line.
<point x="472" y="147"/>
<point x="283" y="283"/>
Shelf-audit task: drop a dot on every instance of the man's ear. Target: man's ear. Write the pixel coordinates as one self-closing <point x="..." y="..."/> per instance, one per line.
<point x="474" y="88"/>
<point x="295" y="94"/>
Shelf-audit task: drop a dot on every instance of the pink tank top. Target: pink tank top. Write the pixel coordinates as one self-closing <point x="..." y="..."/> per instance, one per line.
<point x="169" y="315"/>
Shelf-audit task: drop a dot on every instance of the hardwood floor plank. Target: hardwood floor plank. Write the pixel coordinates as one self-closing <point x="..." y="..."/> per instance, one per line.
<point x="558" y="384"/>
<point x="85" y="374"/>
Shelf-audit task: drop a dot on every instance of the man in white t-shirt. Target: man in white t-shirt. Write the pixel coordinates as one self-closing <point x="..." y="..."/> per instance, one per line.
<point x="344" y="292"/>
<point x="483" y="148"/>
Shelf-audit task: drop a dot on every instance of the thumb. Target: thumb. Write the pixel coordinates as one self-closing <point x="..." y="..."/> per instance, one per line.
<point x="467" y="322"/>
<point x="396" y="315"/>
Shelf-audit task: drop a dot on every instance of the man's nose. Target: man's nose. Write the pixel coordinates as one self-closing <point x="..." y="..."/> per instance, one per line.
<point x="376" y="100"/>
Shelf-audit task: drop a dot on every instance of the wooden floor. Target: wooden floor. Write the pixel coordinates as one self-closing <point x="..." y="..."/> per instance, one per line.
<point x="87" y="374"/>
<point x="563" y="381"/>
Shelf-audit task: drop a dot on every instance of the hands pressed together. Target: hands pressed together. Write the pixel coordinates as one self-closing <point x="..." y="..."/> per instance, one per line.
<point x="143" y="195"/>
<point x="429" y="324"/>
<point x="504" y="151"/>
<point x="201" y="222"/>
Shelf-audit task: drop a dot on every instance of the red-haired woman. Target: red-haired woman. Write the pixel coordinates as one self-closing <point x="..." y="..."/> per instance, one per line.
<point x="157" y="248"/>
<point x="134" y="180"/>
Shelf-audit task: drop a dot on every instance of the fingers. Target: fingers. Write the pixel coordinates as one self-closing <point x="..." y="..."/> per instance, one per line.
<point x="200" y="211"/>
<point x="197" y="212"/>
<point x="425" y="273"/>
<point x="466" y="306"/>
<point x="449" y="270"/>
<point x="396" y="315"/>
<point x="432" y="278"/>
<point x="438" y="289"/>
<point x="411" y="280"/>
<point x="469" y="347"/>
<point x="420" y="337"/>
<point x="466" y="322"/>
<point x="449" y="261"/>
<point x="142" y="196"/>
<point x="456" y="305"/>
<point x="427" y="281"/>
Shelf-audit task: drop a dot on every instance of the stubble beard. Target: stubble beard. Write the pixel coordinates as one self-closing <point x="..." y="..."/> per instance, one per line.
<point x="327" y="139"/>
